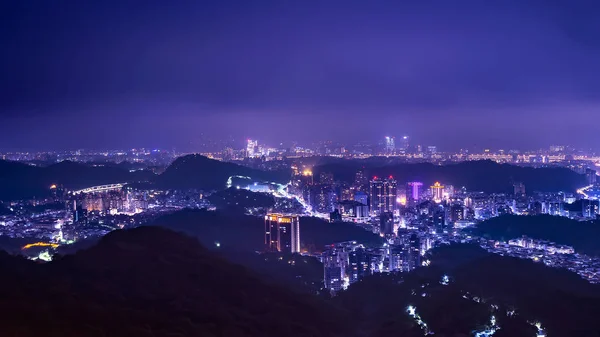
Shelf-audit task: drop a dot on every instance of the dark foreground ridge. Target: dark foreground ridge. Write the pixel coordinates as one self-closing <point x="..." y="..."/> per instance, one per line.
<point x="150" y="281"/>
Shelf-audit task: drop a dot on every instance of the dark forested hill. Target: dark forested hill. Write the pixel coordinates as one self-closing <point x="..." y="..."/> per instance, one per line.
<point x="581" y="235"/>
<point x="152" y="282"/>
<point x="246" y="233"/>
<point x="486" y="176"/>
<point x="196" y="171"/>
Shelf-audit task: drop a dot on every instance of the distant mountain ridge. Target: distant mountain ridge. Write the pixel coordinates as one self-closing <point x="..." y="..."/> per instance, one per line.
<point x="484" y="175"/>
<point x="197" y="171"/>
<point x="23" y="181"/>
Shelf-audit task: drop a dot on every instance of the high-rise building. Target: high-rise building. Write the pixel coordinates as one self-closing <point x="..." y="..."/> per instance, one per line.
<point x="382" y="195"/>
<point x="390" y="145"/>
<point x="457" y="213"/>
<point x="306" y="178"/>
<point x="397" y="258"/>
<point x="345" y="263"/>
<point x="386" y="223"/>
<point x="334" y="269"/>
<point x="251" y="148"/>
<point x="282" y="233"/>
<point x="361" y="180"/>
<point x="414" y="252"/>
<point x="405" y="144"/>
<point x="439" y="220"/>
<point x="359" y="264"/>
<point x="79" y="213"/>
<point x="323" y="198"/>
<point x="414" y="191"/>
<point x="437" y="191"/>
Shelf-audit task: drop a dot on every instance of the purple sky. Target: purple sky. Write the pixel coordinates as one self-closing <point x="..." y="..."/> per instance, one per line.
<point x="457" y="73"/>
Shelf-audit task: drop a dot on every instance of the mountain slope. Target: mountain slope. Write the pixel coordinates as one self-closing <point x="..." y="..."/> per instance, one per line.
<point x="197" y="171"/>
<point x="151" y="281"/>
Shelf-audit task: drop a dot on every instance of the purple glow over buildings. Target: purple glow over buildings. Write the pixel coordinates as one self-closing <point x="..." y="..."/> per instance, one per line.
<point x="414" y="190"/>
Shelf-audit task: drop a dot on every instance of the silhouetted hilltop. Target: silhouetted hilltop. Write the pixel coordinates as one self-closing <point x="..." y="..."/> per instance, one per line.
<point x="581" y="235"/>
<point x="151" y="281"/>
<point x="485" y="175"/>
<point x="197" y="171"/>
<point x="21" y="181"/>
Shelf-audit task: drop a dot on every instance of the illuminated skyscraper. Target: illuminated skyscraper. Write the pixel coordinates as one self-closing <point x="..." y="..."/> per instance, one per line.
<point x="359" y="264"/>
<point x="251" y="148"/>
<point x="457" y="213"/>
<point x="361" y="180"/>
<point x="335" y="262"/>
<point x="382" y="195"/>
<point x="414" y="190"/>
<point x="437" y="191"/>
<point x="282" y="233"/>
<point x="414" y="252"/>
<point x="390" y="145"/>
<point x="405" y="143"/>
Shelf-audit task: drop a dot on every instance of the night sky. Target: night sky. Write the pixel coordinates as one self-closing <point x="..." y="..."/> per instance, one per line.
<point x="108" y="74"/>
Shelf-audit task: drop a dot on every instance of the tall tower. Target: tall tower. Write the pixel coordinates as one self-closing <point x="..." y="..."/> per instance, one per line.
<point x="414" y="190"/>
<point x="437" y="191"/>
<point x="382" y="194"/>
<point x="251" y="148"/>
<point x="405" y="143"/>
<point x="282" y="233"/>
<point x="390" y="145"/>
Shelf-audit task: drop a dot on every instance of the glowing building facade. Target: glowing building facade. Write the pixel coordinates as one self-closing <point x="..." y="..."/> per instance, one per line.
<point x="282" y="233"/>
<point x="414" y="190"/>
<point x="437" y="191"/>
<point x="382" y="195"/>
<point x="251" y="148"/>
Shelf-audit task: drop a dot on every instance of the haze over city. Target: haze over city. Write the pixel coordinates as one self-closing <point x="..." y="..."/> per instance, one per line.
<point x="114" y="74"/>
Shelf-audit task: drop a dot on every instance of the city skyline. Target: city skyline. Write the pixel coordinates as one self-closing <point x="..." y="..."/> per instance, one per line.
<point x="513" y="74"/>
<point x="300" y="168"/>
